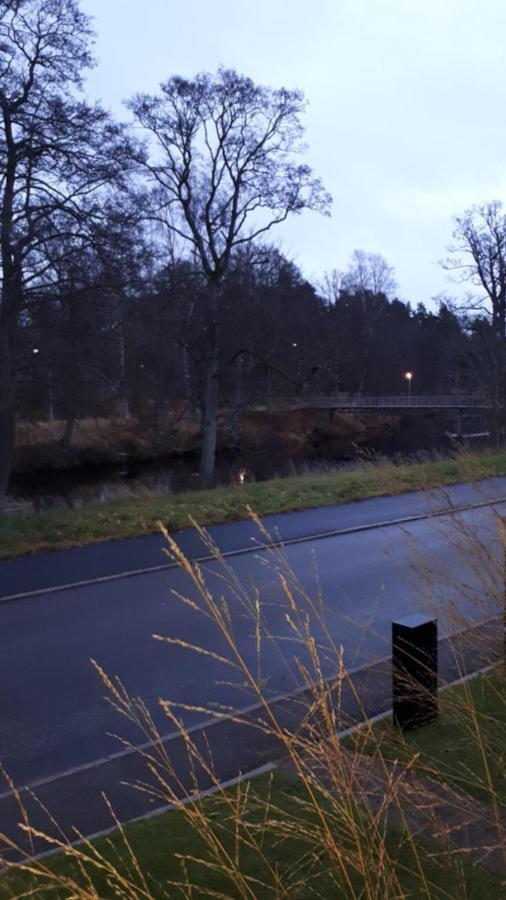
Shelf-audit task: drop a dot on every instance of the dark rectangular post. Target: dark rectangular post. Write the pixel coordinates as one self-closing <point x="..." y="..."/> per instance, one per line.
<point x="414" y="671"/>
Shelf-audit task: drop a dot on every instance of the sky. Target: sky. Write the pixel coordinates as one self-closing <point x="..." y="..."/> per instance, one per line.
<point x="405" y="123"/>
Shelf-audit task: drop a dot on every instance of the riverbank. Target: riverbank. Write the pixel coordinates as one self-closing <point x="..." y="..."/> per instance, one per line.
<point x="296" y="434"/>
<point x="25" y="533"/>
<point x="109" y="460"/>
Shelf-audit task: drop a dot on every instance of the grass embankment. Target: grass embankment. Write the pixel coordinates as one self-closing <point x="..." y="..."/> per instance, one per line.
<point x="30" y="532"/>
<point x="268" y="826"/>
<point x="161" y="844"/>
<point x="464" y="748"/>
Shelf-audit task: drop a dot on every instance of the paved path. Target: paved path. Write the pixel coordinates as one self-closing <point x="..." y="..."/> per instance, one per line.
<point x="53" y="717"/>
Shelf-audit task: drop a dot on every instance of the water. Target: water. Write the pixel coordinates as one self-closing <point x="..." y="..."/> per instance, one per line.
<point x="135" y="478"/>
<point x="101" y="483"/>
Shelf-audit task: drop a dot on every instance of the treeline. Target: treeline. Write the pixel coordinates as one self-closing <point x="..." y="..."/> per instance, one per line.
<point x="138" y="273"/>
<point x="106" y="349"/>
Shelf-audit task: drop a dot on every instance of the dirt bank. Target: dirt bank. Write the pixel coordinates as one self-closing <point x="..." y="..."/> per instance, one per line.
<point x="298" y="434"/>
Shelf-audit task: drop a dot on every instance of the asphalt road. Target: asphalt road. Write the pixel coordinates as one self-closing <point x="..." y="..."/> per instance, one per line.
<point x="53" y="716"/>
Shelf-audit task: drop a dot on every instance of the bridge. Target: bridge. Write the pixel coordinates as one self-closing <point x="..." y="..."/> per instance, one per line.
<point x="353" y="402"/>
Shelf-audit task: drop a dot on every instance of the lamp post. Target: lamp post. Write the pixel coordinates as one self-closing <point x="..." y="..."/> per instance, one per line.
<point x="409" y="378"/>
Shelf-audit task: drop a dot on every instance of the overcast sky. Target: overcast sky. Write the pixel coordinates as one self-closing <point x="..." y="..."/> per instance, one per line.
<point x="406" y="121"/>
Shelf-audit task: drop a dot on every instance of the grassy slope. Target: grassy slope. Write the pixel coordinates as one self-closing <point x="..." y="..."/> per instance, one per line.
<point x="445" y="746"/>
<point x="24" y="533"/>
<point x="466" y="746"/>
<point x="159" y="843"/>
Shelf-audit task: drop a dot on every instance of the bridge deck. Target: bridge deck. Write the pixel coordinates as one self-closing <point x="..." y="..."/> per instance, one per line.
<point x="347" y="403"/>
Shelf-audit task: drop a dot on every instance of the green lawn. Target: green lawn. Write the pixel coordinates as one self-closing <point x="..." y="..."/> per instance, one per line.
<point x="291" y="844"/>
<point x="466" y="746"/>
<point x="161" y="843"/>
<point x="24" y="533"/>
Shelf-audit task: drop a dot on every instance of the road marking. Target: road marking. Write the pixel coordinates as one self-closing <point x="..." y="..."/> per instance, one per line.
<point x="175" y="735"/>
<point x="233" y="782"/>
<point x="242" y="551"/>
<point x="218" y="719"/>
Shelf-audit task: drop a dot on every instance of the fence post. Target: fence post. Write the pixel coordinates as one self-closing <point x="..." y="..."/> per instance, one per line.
<point x="414" y="671"/>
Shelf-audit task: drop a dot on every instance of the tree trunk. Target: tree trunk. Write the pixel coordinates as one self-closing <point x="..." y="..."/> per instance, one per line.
<point x="68" y="432"/>
<point x="210" y="394"/>
<point x="502" y="318"/>
<point x="268" y="390"/>
<point x="10" y="304"/>
<point x="7" y="414"/>
<point x="235" y="418"/>
<point x="124" y="404"/>
<point x="364" y="371"/>
<point x="366" y="357"/>
<point x="186" y="379"/>
<point x="209" y="411"/>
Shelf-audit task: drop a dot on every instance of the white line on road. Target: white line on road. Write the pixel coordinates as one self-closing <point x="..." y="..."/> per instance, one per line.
<point x="219" y="719"/>
<point x="204" y="725"/>
<point x="239" y="779"/>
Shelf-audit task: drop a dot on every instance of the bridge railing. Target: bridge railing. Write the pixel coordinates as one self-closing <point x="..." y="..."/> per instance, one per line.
<point x="396" y="401"/>
<point x="353" y="401"/>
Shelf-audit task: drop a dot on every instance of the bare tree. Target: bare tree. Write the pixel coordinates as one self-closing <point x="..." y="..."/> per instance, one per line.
<point x="478" y="257"/>
<point x="56" y="155"/>
<point x="369" y="273"/>
<point x="371" y="280"/>
<point x="225" y="172"/>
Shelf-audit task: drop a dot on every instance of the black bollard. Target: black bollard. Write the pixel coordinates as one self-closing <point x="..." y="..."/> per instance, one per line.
<point x="414" y="671"/>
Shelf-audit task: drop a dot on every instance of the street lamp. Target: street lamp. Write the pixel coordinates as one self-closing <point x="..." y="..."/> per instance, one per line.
<point x="409" y="378"/>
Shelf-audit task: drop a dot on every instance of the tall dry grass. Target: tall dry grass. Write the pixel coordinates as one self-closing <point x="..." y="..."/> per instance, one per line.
<point x="378" y="815"/>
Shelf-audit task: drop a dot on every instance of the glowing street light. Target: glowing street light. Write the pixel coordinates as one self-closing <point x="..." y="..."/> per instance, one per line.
<point x="409" y="378"/>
